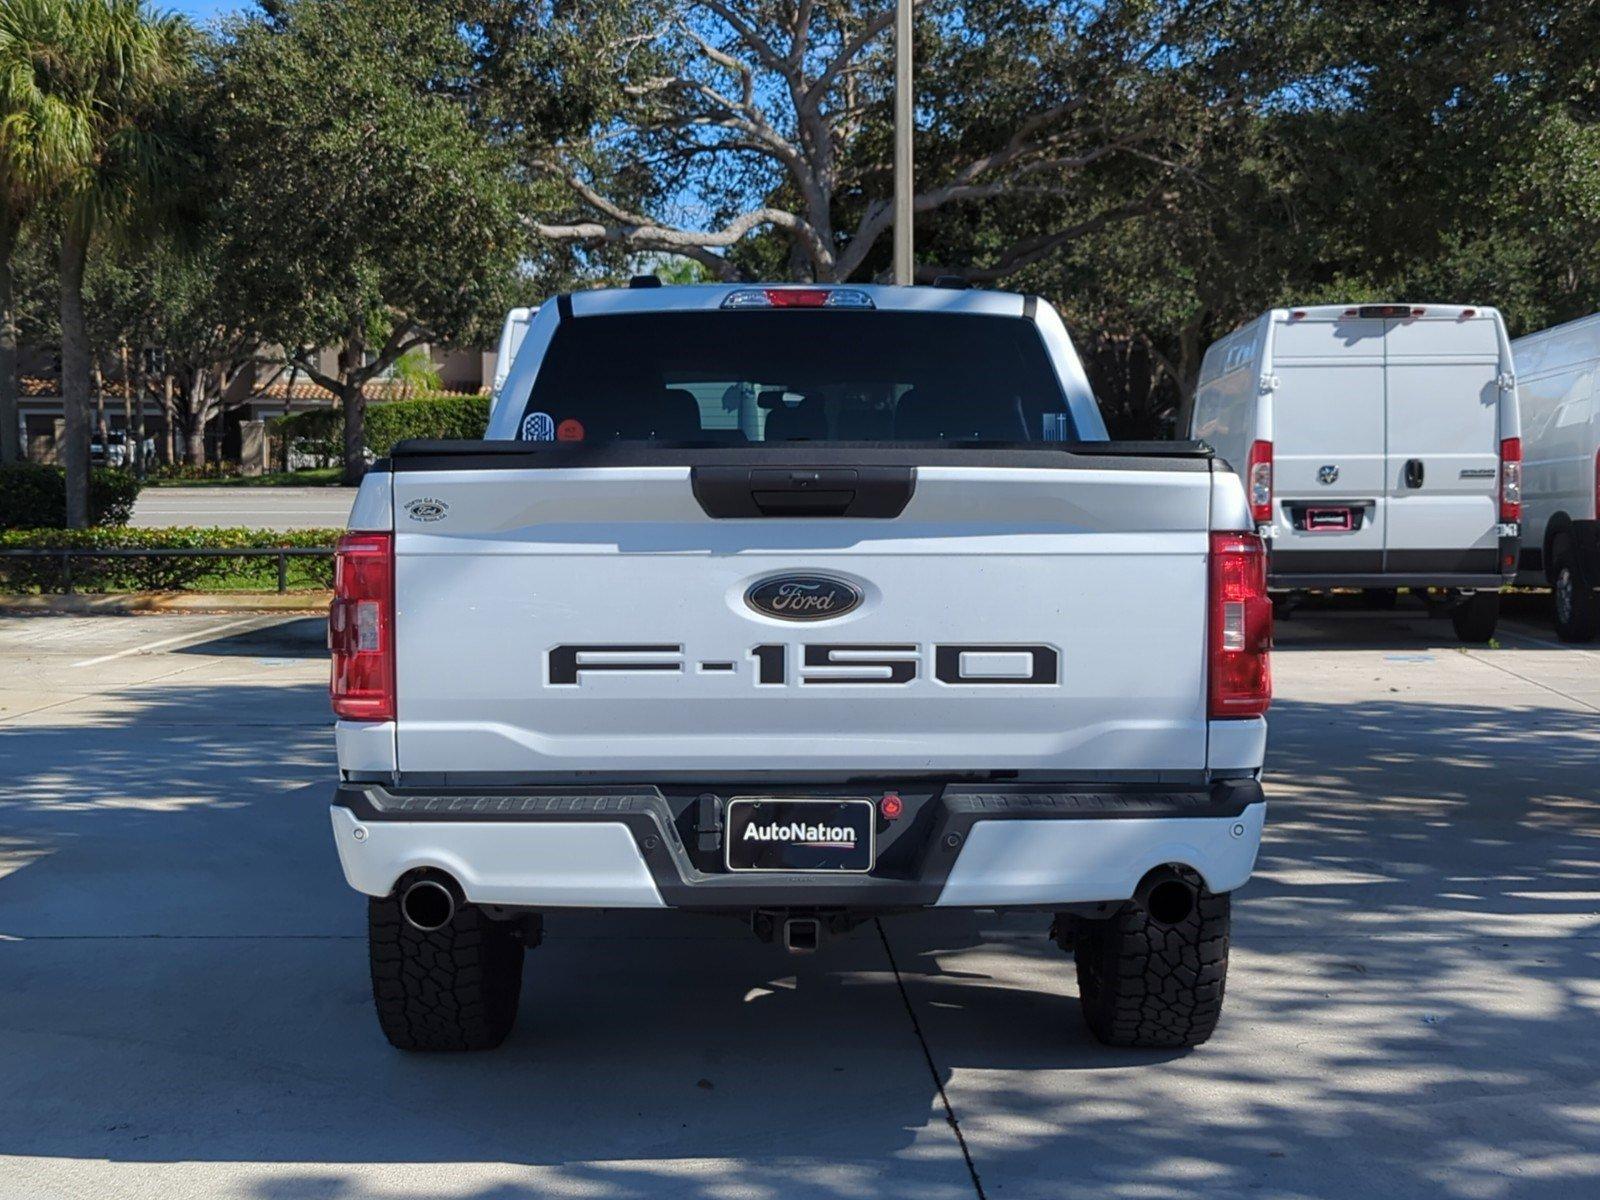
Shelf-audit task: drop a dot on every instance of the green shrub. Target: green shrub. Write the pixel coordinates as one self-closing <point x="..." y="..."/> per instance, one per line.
<point x="162" y="574"/>
<point x="427" y="417"/>
<point x="319" y="433"/>
<point x="34" y="496"/>
<point x="185" y="470"/>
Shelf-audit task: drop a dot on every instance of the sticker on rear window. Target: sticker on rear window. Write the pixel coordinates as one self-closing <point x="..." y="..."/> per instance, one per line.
<point x="570" y="430"/>
<point x="538" y="427"/>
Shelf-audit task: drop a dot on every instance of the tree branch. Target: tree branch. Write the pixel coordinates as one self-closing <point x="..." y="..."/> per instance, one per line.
<point x="847" y="54"/>
<point x="1027" y="251"/>
<point x="748" y="34"/>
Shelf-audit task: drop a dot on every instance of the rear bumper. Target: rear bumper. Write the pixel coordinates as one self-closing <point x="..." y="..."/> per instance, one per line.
<point x="964" y="846"/>
<point x="1292" y="567"/>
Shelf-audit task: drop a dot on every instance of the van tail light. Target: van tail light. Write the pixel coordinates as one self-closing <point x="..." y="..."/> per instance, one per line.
<point x="1510" y="480"/>
<point x="361" y="627"/>
<point x="1258" y="482"/>
<point x="1239" y="658"/>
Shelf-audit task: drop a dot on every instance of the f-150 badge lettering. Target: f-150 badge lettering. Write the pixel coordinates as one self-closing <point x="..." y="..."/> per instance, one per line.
<point x="803" y="597"/>
<point x="960" y="663"/>
<point x="426" y="508"/>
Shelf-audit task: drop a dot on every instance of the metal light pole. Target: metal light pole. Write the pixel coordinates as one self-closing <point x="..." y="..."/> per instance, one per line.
<point x="903" y="269"/>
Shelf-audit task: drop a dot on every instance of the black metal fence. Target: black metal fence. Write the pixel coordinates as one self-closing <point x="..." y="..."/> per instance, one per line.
<point x="66" y="555"/>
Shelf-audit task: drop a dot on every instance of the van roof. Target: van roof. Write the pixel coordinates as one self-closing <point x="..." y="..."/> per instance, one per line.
<point x="1576" y="325"/>
<point x="1423" y="310"/>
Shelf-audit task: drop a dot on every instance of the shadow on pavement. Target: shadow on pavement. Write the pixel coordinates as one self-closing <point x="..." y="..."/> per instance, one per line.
<point x="300" y="637"/>
<point x="1411" y="1013"/>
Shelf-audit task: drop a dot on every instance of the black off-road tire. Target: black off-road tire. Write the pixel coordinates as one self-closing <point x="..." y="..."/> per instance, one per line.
<point x="456" y="988"/>
<point x="1150" y="985"/>
<point x="1576" y="609"/>
<point x="1476" y="616"/>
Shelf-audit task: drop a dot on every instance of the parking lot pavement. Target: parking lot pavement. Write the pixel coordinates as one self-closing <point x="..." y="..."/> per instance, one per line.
<point x="244" y="507"/>
<point x="184" y="1006"/>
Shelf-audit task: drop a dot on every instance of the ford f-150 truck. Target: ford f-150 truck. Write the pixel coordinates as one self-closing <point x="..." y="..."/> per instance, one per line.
<point x="803" y="605"/>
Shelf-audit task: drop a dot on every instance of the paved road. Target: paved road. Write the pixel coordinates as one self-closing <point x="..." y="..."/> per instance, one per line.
<point x="247" y="507"/>
<point x="184" y="1008"/>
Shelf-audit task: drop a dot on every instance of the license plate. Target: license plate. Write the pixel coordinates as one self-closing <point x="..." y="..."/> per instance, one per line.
<point x="1329" y="520"/>
<point x="800" y="835"/>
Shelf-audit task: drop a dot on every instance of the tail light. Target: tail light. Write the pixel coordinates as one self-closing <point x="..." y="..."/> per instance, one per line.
<point x="793" y="297"/>
<point x="1258" y="482"/>
<point x="361" y="627"/>
<point x="1398" y="312"/>
<point x="1239" y="660"/>
<point x="1511" y="480"/>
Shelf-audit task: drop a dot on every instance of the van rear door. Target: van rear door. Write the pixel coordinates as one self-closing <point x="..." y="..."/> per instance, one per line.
<point x="1328" y="445"/>
<point x="1443" y="461"/>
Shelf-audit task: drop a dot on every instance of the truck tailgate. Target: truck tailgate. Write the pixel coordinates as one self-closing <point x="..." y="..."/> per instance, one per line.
<point x="596" y="619"/>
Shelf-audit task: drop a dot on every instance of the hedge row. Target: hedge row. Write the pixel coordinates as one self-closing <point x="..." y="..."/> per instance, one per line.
<point x="433" y="417"/>
<point x="34" y="496"/>
<point x="320" y="432"/>
<point x="163" y="574"/>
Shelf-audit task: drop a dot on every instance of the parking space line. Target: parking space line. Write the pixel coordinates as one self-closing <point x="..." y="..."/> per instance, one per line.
<point x="933" y="1069"/>
<point x="192" y="636"/>
<point x="1475" y="657"/>
<point x="1528" y="637"/>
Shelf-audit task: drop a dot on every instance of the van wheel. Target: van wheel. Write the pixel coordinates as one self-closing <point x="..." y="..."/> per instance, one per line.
<point x="1142" y="982"/>
<point x="1577" y="608"/>
<point x="454" y="988"/>
<point x="1476" y="616"/>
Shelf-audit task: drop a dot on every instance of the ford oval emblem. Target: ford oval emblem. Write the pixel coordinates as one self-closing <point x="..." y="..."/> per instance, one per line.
<point x="803" y="597"/>
<point x="426" y="508"/>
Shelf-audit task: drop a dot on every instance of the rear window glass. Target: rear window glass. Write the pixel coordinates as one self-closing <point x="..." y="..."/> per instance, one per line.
<point x="737" y="377"/>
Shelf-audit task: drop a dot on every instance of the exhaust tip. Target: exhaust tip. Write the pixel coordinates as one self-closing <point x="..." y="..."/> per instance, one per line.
<point x="428" y="905"/>
<point x="1170" y="902"/>
<point x="802" y="935"/>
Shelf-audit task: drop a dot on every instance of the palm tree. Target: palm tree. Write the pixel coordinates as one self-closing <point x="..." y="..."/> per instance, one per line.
<point x="106" y="71"/>
<point x="42" y="135"/>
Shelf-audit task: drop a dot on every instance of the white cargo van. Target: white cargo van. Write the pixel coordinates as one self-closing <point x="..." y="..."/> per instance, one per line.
<point x="1379" y="444"/>
<point x="1561" y="486"/>
<point x="512" y="333"/>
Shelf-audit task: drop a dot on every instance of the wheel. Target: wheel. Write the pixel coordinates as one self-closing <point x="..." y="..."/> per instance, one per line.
<point x="1381" y="598"/>
<point x="1476" y="616"/>
<point x="1142" y="982"/>
<point x="1577" y="609"/>
<point x="455" y="988"/>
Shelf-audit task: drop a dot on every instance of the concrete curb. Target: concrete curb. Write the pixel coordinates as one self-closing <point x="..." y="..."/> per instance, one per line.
<point x="110" y="604"/>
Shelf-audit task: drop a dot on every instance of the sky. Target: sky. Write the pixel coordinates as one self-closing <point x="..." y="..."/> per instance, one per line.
<point x="200" y="11"/>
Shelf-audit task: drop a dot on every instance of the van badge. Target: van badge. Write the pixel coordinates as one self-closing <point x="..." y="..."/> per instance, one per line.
<point x="426" y="508"/>
<point x="1328" y="473"/>
<point x="803" y="597"/>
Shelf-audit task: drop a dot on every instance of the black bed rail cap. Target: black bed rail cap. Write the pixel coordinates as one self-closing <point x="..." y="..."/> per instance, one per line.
<point x="484" y="455"/>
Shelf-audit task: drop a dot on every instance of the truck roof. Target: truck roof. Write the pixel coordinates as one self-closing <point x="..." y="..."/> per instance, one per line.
<point x="709" y="296"/>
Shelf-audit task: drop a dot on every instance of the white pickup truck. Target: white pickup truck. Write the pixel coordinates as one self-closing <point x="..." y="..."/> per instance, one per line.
<point x="802" y="605"/>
